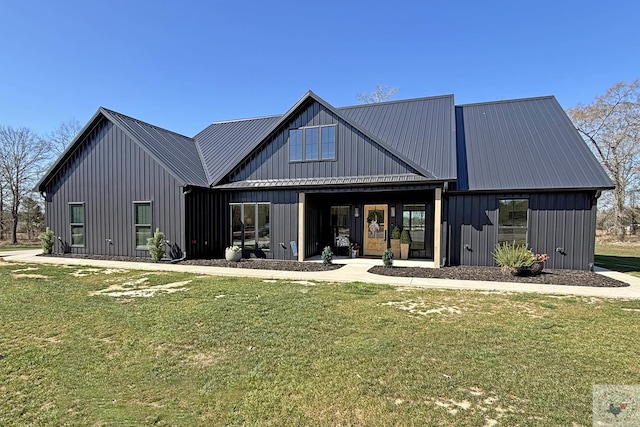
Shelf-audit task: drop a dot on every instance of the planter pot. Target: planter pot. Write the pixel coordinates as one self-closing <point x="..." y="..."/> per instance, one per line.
<point x="395" y="248"/>
<point x="536" y="268"/>
<point x="404" y="250"/>
<point x="354" y="254"/>
<point x="234" y="256"/>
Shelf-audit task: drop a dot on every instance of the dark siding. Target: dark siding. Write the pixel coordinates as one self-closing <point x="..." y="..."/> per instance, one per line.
<point x="108" y="173"/>
<point x="563" y="220"/>
<point x="356" y="155"/>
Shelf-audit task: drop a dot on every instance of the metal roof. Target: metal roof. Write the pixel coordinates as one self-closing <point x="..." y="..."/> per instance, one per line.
<point x="223" y="145"/>
<point x="327" y="181"/>
<point x="523" y="144"/>
<point x="421" y="129"/>
<point x="177" y="153"/>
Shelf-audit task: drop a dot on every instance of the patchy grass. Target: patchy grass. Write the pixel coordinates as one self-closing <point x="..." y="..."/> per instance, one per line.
<point x="11" y="248"/>
<point x="619" y="257"/>
<point x="77" y="349"/>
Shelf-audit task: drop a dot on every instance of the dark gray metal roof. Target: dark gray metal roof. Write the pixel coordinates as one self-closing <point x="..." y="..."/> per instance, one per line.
<point x="223" y="145"/>
<point x="177" y="153"/>
<point x="327" y="181"/>
<point x="420" y="129"/>
<point x="523" y="144"/>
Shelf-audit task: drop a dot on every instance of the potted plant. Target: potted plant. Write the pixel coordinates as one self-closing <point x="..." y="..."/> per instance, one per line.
<point x="395" y="242"/>
<point x="353" y="249"/>
<point x="233" y="253"/>
<point x="405" y="242"/>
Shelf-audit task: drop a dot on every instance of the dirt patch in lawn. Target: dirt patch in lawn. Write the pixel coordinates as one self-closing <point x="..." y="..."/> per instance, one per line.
<point x="494" y="274"/>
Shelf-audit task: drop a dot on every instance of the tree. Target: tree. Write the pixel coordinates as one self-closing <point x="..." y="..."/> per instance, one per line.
<point x="379" y="94"/>
<point x="22" y="156"/>
<point x="32" y="218"/>
<point x="611" y="127"/>
<point x="60" y="138"/>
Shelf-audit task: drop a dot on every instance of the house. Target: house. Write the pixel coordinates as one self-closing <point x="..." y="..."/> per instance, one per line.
<point x="460" y="178"/>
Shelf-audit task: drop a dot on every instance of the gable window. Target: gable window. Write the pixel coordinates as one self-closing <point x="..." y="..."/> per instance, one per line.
<point x="512" y="220"/>
<point x="312" y="143"/>
<point x="76" y="220"/>
<point x="142" y="220"/>
<point x="250" y="225"/>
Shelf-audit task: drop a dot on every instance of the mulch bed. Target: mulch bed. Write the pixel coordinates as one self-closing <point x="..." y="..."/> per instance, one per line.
<point x="260" y="264"/>
<point x="494" y="274"/>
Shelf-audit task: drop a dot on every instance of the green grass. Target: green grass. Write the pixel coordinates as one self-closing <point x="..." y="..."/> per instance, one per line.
<point x="624" y="258"/>
<point x="9" y="248"/>
<point x="238" y="351"/>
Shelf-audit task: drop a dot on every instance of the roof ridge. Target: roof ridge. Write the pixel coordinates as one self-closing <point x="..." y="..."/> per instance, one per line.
<point x="506" y="101"/>
<point x="397" y="101"/>
<point x="245" y="120"/>
<point x="147" y="123"/>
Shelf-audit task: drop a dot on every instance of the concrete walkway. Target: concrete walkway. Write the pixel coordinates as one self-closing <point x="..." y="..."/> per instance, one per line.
<point x="352" y="271"/>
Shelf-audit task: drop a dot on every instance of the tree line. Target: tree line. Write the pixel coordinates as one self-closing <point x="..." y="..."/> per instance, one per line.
<point x="24" y="157"/>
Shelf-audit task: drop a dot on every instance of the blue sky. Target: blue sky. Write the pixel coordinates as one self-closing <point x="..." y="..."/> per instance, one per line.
<point x="184" y="64"/>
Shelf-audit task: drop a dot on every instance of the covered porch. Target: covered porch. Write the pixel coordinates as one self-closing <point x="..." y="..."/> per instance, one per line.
<point x="364" y="220"/>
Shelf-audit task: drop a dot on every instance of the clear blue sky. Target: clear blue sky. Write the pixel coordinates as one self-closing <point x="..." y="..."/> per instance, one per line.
<point x="184" y="64"/>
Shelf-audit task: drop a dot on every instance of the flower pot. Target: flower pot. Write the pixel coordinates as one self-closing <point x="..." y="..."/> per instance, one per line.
<point x="354" y="254"/>
<point x="395" y="248"/>
<point x="404" y="250"/>
<point x="234" y="256"/>
<point x="536" y="268"/>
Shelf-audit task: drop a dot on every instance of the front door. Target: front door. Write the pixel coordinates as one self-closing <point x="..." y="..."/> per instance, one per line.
<point x="375" y="229"/>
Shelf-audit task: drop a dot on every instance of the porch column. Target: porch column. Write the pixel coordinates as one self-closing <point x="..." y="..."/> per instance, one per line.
<point x="301" y="215"/>
<point x="437" y="219"/>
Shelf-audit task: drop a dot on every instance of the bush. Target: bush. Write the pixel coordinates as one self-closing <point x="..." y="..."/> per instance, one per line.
<point x="47" y="239"/>
<point x="327" y="256"/>
<point x="405" y="237"/>
<point x="156" y="245"/>
<point x="395" y="233"/>
<point x="387" y="258"/>
<point x="513" y="258"/>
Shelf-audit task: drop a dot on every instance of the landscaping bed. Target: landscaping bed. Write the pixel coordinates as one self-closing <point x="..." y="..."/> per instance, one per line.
<point x="494" y="274"/>
<point x="259" y="264"/>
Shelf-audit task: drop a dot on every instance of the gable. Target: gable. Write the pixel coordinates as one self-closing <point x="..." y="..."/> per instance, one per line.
<point x="356" y="153"/>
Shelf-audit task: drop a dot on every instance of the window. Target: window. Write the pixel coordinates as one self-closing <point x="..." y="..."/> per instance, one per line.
<point x="250" y="225"/>
<point x="76" y="220"/>
<point x="413" y="219"/>
<point x="512" y="220"/>
<point x="142" y="223"/>
<point x="312" y="143"/>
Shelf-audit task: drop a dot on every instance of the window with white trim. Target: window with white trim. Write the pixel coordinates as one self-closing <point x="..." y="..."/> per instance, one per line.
<point x="142" y="223"/>
<point x="312" y="143"/>
<point x="76" y="221"/>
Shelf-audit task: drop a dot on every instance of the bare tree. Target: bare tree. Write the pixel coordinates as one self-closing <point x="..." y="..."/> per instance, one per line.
<point x="380" y="94"/>
<point x="22" y="156"/>
<point x="60" y="138"/>
<point x="611" y="127"/>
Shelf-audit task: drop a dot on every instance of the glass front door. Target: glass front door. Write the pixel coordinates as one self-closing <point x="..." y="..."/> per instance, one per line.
<point x="375" y="232"/>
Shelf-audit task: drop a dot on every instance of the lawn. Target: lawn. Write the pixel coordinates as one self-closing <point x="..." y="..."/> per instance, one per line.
<point x="10" y="248"/>
<point x="619" y="257"/>
<point x="80" y="346"/>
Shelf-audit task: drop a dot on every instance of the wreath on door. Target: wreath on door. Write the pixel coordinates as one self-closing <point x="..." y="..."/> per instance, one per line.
<point x="372" y="219"/>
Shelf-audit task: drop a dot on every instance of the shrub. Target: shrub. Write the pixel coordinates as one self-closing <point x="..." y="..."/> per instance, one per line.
<point x="387" y="258"/>
<point x="405" y="237"/>
<point x="156" y="245"/>
<point x="327" y="256"/>
<point x="47" y="240"/>
<point x="513" y="258"/>
<point x="395" y="233"/>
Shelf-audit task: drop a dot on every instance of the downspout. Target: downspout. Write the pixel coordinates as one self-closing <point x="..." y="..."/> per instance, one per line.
<point x="185" y="192"/>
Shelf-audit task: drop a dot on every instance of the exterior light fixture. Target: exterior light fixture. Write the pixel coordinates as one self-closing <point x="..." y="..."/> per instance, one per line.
<point x="393" y="211"/>
<point x="356" y="212"/>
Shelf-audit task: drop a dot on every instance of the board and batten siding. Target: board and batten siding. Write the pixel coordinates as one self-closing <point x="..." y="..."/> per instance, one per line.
<point x="560" y="224"/>
<point x="356" y="155"/>
<point x="108" y="172"/>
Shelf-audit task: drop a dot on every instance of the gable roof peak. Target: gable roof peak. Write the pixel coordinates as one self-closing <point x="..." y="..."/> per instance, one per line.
<point x="109" y="111"/>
